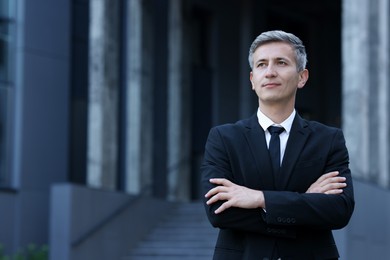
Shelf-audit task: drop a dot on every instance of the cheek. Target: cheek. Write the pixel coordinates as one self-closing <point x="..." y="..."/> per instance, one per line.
<point x="256" y="79"/>
<point x="253" y="83"/>
<point x="294" y="83"/>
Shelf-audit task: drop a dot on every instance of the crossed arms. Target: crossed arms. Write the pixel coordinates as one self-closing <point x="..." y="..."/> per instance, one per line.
<point x="327" y="203"/>
<point x="238" y="196"/>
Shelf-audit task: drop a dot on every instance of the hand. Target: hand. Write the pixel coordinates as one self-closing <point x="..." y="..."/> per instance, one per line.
<point x="328" y="183"/>
<point x="234" y="196"/>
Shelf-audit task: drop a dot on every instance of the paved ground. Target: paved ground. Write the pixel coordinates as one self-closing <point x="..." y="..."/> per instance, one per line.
<point x="184" y="234"/>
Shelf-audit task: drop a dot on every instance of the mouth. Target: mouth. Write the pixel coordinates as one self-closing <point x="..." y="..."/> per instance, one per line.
<point x="270" y="85"/>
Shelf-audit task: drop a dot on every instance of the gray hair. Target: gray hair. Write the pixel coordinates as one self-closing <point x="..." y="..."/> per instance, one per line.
<point x="280" y="36"/>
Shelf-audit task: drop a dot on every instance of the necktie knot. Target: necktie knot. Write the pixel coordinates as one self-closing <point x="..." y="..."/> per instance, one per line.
<point x="275" y="130"/>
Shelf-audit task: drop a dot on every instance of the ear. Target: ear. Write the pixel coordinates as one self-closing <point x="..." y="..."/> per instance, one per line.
<point x="303" y="77"/>
<point x="250" y="78"/>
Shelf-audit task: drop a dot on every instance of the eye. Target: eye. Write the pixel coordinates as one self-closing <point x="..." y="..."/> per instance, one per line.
<point x="261" y="64"/>
<point x="282" y="62"/>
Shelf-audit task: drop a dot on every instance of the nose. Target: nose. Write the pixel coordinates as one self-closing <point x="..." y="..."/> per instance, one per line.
<point x="270" y="72"/>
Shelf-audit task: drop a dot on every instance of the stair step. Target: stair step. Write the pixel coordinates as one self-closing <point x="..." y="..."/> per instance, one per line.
<point x="183" y="234"/>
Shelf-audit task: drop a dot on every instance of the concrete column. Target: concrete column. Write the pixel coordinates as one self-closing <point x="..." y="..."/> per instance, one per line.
<point x="103" y="94"/>
<point x="139" y="99"/>
<point x="355" y="88"/>
<point x="179" y="116"/>
<point x="248" y="98"/>
<point x="365" y="88"/>
<point x="383" y="93"/>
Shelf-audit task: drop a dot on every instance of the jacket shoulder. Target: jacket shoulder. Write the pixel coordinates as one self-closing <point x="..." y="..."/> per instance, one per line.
<point x="239" y="126"/>
<point x="320" y="127"/>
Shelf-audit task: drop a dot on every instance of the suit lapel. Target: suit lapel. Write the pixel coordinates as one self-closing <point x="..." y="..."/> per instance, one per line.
<point x="256" y="141"/>
<point x="296" y="141"/>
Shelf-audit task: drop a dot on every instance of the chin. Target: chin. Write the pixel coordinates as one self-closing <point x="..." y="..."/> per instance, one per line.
<point x="269" y="99"/>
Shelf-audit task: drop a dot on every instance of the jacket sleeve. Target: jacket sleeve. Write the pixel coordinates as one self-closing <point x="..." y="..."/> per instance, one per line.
<point x="315" y="210"/>
<point x="217" y="164"/>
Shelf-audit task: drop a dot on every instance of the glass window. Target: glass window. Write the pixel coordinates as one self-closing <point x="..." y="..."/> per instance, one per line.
<point x="4" y="61"/>
<point x="6" y="23"/>
<point x="4" y="8"/>
<point x="4" y="179"/>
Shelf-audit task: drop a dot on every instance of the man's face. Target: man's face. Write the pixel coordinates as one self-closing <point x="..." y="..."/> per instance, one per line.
<point x="274" y="77"/>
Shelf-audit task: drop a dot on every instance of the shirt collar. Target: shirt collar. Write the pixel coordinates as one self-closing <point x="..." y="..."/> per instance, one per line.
<point x="266" y="122"/>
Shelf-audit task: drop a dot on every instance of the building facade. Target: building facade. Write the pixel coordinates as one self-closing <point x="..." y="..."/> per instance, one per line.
<point x="105" y="104"/>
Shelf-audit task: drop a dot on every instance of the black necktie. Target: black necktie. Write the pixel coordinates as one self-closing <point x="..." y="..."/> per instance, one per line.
<point x="274" y="147"/>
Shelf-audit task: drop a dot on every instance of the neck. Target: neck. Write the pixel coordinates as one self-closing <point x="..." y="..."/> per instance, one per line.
<point x="276" y="113"/>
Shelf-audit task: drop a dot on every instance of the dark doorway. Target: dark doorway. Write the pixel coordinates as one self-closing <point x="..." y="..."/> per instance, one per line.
<point x="319" y="26"/>
<point x="201" y="90"/>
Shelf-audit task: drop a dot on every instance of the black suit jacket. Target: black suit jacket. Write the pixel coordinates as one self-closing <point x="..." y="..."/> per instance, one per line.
<point x="298" y="224"/>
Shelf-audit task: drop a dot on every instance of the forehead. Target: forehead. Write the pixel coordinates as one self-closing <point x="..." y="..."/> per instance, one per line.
<point x="273" y="50"/>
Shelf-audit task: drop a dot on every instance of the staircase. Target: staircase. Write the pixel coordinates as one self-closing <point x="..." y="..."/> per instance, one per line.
<point x="184" y="234"/>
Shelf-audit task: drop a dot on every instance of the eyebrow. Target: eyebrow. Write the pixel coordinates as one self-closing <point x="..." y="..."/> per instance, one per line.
<point x="277" y="59"/>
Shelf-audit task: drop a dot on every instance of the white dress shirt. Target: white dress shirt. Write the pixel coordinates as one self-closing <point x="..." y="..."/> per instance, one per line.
<point x="266" y="122"/>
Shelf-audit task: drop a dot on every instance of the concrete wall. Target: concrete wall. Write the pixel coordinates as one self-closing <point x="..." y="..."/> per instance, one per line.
<point x="40" y="120"/>
<point x="96" y="224"/>
<point x="7" y="216"/>
<point x="367" y="236"/>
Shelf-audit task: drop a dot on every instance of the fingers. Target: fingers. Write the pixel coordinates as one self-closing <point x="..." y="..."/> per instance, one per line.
<point x="224" y="184"/>
<point x="334" y="187"/>
<point x="223" y="207"/>
<point x="335" y="191"/>
<point x="329" y="183"/>
<point x="216" y="190"/>
<point x="327" y="176"/>
<point x="224" y="195"/>
<point x="220" y="192"/>
<point x="221" y="181"/>
<point x="233" y="195"/>
<point x="330" y="178"/>
<point x="333" y="180"/>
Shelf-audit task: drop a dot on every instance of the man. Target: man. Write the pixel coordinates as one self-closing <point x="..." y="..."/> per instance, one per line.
<point x="272" y="204"/>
